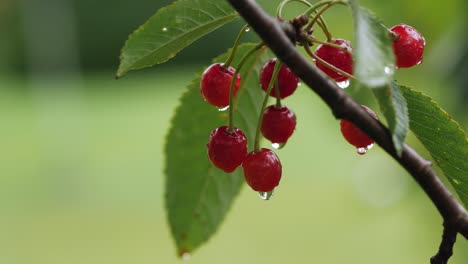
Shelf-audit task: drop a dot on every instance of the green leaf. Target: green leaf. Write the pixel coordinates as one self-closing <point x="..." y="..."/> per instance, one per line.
<point x="374" y="68"/>
<point x="373" y="54"/>
<point x="393" y="106"/>
<point x="198" y="195"/>
<point x="442" y="137"/>
<point x="172" y="29"/>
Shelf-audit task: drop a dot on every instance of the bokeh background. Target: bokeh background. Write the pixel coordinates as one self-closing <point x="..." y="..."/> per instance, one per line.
<point x="81" y="154"/>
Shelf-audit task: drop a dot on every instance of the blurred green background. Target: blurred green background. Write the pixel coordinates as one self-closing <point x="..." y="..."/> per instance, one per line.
<point x="81" y="154"/>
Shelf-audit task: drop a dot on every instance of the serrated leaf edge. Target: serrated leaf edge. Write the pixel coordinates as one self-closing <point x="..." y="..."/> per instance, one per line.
<point x="406" y="89"/>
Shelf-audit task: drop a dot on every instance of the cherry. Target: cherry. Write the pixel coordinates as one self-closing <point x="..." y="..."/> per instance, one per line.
<point x="408" y="46"/>
<point x="287" y="81"/>
<point x="339" y="58"/>
<point x="227" y="150"/>
<point x="215" y="83"/>
<point x="262" y="170"/>
<point x="356" y="136"/>
<point x="278" y="124"/>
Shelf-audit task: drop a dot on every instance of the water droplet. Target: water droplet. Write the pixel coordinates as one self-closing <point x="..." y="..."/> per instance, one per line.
<point x="223" y="108"/>
<point x="362" y="151"/>
<point x="389" y="70"/>
<point x="185" y="256"/>
<point x="247" y="29"/>
<point x="278" y="145"/>
<point x="164" y="29"/>
<point x="343" y="84"/>
<point x="299" y="84"/>
<point x="266" y="195"/>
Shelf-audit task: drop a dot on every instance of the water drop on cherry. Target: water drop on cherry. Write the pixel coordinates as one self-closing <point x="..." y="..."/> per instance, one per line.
<point x="222" y="109"/>
<point x="266" y="195"/>
<point x="344" y="84"/>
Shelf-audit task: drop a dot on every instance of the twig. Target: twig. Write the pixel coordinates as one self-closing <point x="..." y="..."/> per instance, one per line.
<point x="446" y="246"/>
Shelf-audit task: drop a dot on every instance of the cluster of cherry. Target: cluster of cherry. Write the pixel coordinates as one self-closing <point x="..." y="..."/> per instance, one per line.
<point x="227" y="145"/>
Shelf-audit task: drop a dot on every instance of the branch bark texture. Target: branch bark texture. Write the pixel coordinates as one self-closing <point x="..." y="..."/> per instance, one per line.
<point x="277" y="36"/>
<point x="449" y="238"/>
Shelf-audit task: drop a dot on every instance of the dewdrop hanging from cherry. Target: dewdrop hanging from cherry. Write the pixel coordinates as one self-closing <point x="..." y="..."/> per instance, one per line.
<point x="356" y="136"/>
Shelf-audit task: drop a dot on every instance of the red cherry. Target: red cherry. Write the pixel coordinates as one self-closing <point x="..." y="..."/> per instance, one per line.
<point x="354" y="135"/>
<point x="408" y="46"/>
<point x="339" y="58"/>
<point x="278" y="124"/>
<point x="215" y="83"/>
<point x="287" y="81"/>
<point x="262" y="170"/>
<point x="227" y="150"/>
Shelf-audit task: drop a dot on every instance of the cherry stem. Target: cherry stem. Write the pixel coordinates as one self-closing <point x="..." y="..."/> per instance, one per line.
<point x="393" y="35"/>
<point x="326" y="64"/>
<point x="278" y="95"/>
<point x="320" y="22"/>
<point x="314" y="7"/>
<point x="318" y="15"/>
<point x="234" y="48"/>
<point x="279" y="10"/>
<point x="265" y="101"/>
<point x="326" y="43"/>
<point x="324" y="27"/>
<point x="231" y="87"/>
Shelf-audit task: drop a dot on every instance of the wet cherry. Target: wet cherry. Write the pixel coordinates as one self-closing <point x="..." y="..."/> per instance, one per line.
<point x="287" y="81"/>
<point x="278" y="124"/>
<point x="341" y="59"/>
<point x="227" y="150"/>
<point x="408" y="46"/>
<point x="354" y="135"/>
<point x="262" y="170"/>
<point x="215" y="83"/>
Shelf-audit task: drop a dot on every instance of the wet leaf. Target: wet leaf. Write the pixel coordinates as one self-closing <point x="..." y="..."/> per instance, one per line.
<point x="373" y="54"/>
<point x="172" y="29"/>
<point x="374" y="68"/>
<point x="442" y="136"/>
<point x="393" y="106"/>
<point x="198" y="195"/>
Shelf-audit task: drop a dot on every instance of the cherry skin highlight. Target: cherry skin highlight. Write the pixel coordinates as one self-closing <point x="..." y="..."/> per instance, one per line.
<point x="278" y="124"/>
<point x="215" y="83"/>
<point x="354" y="135"/>
<point x="339" y="58"/>
<point x="227" y="150"/>
<point x="287" y="81"/>
<point x="262" y="170"/>
<point x="408" y="46"/>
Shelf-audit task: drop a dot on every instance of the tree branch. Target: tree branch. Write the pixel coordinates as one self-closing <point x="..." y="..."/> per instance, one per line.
<point x="278" y="36"/>
<point x="446" y="246"/>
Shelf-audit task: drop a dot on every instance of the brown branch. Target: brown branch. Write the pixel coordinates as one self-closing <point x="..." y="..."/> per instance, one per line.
<point x="279" y="36"/>
<point x="449" y="237"/>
